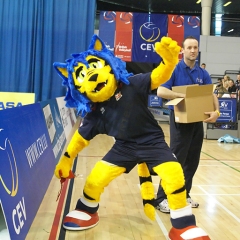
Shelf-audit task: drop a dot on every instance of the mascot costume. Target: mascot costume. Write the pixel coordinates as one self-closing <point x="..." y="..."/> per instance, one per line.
<point x="114" y="102"/>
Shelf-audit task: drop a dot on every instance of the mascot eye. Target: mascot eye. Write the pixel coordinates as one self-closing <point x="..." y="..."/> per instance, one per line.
<point x="96" y="64"/>
<point x="81" y="76"/>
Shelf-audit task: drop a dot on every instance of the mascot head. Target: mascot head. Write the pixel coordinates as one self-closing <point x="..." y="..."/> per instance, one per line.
<point x="91" y="76"/>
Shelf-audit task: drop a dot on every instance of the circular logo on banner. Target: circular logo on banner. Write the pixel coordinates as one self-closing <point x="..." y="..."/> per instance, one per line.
<point x="109" y="16"/>
<point x="178" y="20"/>
<point x="7" y="154"/>
<point x="194" y="21"/>
<point x="149" y="32"/>
<point x="126" y="17"/>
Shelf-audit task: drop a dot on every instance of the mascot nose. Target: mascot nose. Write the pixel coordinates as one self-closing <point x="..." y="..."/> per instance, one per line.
<point x="93" y="78"/>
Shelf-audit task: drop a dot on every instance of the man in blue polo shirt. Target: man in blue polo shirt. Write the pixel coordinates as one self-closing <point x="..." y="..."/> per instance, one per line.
<point x="186" y="138"/>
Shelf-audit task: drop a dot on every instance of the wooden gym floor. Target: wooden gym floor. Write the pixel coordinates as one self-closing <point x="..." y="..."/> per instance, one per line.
<point x="216" y="187"/>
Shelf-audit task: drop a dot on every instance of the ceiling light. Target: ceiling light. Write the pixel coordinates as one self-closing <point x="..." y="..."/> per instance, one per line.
<point x="226" y="4"/>
<point x="198" y="1"/>
<point x="231" y="30"/>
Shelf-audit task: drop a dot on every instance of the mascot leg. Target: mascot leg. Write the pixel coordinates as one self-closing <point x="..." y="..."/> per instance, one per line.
<point x="182" y="219"/>
<point x="85" y="215"/>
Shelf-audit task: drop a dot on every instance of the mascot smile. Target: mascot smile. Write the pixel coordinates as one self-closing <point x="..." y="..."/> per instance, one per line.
<point x="114" y="102"/>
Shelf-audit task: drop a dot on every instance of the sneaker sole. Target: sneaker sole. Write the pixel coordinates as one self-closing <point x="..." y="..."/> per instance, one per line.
<point x="195" y="206"/>
<point x="164" y="211"/>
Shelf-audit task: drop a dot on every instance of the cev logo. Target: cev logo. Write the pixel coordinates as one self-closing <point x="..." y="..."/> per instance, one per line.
<point x="178" y="20"/>
<point x="194" y="21"/>
<point x="9" y="156"/>
<point x="126" y="17"/>
<point x="149" y="32"/>
<point x="109" y="16"/>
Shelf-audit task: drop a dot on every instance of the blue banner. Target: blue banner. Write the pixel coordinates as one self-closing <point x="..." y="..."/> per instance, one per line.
<point x="228" y="110"/>
<point x="107" y="26"/>
<point x="192" y="27"/>
<point x="147" y="30"/>
<point x="26" y="166"/>
<point x="55" y="127"/>
<point x="154" y="101"/>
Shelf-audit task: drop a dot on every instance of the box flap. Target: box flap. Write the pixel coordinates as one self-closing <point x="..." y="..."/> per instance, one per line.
<point x="195" y="90"/>
<point x="202" y="90"/>
<point x="182" y="89"/>
<point x="174" y="101"/>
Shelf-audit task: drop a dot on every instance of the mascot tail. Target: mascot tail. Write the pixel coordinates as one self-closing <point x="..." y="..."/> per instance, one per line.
<point x="147" y="190"/>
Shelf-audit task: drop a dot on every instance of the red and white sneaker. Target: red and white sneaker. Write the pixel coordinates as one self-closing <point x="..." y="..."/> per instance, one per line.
<point x="192" y="232"/>
<point x="80" y="220"/>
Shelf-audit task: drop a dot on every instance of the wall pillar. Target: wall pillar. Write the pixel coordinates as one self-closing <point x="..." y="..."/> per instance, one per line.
<point x="206" y="17"/>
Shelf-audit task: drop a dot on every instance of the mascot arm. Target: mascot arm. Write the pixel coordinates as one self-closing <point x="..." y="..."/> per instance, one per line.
<point x="64" y="166"/>
<point x="169" y="51"/>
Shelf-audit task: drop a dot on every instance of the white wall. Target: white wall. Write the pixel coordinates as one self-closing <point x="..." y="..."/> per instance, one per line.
<point x="220" y="53"/>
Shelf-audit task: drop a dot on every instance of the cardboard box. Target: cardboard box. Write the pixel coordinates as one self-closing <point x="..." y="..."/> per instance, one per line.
<point x="198" y="99"/>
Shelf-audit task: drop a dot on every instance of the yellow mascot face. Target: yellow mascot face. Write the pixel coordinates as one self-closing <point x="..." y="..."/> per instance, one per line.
<point x="96" y="81"/>
<point x="91" y="76"/>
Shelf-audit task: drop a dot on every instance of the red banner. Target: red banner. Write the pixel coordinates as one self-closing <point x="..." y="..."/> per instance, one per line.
<point x="123" y="38"/>
<point x="176" y="29"/>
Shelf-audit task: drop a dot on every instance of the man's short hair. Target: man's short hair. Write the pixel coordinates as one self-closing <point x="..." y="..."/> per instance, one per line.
<point x="188" y="37"/>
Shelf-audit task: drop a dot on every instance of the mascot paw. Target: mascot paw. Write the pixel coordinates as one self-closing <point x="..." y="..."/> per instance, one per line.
<point x="168" y="50"/>
<point x="80" y="220"/>
<point x="63" y="168"/>
<point x="192" y="232"/>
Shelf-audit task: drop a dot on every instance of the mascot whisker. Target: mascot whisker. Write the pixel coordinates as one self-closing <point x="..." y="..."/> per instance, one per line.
<point x="114" y="102"/>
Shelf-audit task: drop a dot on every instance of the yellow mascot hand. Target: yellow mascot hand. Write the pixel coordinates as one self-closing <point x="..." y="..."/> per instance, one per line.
<point x="169" y="51"/>
<point x="63" y="168"/>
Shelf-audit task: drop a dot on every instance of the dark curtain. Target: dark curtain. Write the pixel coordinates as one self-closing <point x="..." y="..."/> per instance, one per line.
<point x="36" y="33"/>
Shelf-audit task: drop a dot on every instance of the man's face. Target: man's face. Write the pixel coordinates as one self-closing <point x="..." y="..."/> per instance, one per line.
<point x="238" y="77"/>
<point x="190" y="49"/>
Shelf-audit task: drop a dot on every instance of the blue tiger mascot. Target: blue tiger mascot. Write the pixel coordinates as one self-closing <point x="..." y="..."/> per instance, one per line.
<point x="114" y="102"/>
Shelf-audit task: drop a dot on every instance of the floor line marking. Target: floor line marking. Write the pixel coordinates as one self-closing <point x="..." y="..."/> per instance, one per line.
<point x="221" y="161"/>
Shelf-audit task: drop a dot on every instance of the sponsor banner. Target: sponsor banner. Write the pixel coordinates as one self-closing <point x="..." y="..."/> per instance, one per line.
<point x="147" y="30"/>
<point x="123" y="47"/>
<point x="154" y="101"/>
<point x="55" y="126"/>
<point x="67" y="115"/>
<point x="14" y="99"/>
<point x="123" y="39"/>
<point x="107" y="25"/>
<point x="192" y="27"/>
<point x="159" y="114"/>
<point x="228" y="110"/>
<point x="26" y="167"/>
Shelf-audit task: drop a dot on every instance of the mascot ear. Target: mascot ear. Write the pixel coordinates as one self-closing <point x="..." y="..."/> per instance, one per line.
<point x="97" y="44"/>
<point x="61" y="70"/>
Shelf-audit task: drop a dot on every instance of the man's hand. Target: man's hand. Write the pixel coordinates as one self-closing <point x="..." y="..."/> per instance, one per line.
<point x="213" y="117"/>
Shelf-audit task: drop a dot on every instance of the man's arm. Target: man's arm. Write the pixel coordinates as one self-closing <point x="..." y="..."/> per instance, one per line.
<point x="168" y="94"/>
<point x="216" y="113"/>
